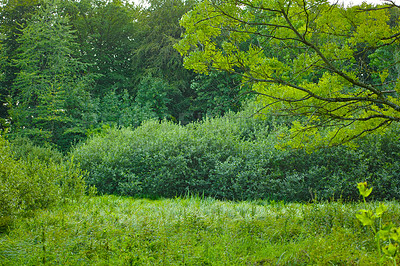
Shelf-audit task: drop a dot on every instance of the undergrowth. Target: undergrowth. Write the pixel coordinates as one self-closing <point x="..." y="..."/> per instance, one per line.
<point x="111" y="230"/>
<point x="31" y="178"/>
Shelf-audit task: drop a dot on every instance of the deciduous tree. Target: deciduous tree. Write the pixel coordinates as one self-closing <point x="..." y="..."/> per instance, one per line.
<point x="336" y="68"/>
<point x="51" y="79"/>
<point x="158" y="30"/>
<point x="13" y="17"/>
<point x="105" y="33"/>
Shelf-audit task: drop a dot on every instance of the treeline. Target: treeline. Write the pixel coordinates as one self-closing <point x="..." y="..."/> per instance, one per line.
<point x="67" y="68"/>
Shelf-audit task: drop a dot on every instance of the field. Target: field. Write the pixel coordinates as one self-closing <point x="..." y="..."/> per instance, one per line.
<point x="111" y="230"/>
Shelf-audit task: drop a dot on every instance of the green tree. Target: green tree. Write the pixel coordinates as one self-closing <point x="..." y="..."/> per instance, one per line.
<point x="50" y="77"/>
<point x="157" y="31"/>
<point x="325" y="52"/>
<point x="105" y="33"/>
<point x="3" y="95"/>
<point x="154" y="94"/>
<point x="216" y="94"/>
<point x="14" y="15"/>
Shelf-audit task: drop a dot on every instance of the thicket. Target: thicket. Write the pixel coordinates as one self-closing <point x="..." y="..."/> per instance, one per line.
<point x="34" y="178"/>
<point x="234" y="157"/>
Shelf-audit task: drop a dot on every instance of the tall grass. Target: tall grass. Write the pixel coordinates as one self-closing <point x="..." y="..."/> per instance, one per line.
<point x="112" y="230"/>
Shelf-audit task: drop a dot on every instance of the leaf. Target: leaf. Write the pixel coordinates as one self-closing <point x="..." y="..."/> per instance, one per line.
<point x="365" y="217"/>
<point x="364" y="191"/>
<point x="395" y="234"/>
<point x="381" y="210"/>
<point x="383" y="75"/>
<point x="383" y="235"/>
<point x="390" y="250"/>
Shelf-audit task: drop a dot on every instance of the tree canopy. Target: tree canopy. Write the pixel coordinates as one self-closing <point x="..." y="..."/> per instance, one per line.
<point x="335" y="67"/>
<point x="50" y="80"/>
<point x="68" y="68"/>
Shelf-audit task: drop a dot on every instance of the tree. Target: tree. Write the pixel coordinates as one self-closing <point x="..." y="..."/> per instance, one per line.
<point x="324" y="52"/>
<point x="105" y="33"/>
<point x="50" y="81"/>
<point x="3" y="103"/>
<point x="158" y="31"/>
<point x="216" y="94"/>
<point x="154" y="94"/>
<point x="14" y="15"/>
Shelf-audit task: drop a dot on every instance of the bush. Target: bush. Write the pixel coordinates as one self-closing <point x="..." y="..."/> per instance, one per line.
<point x="25" y="149"/>
<point x="31" y="183"/>
<point x="156" y="159"/>
<point x="233" y="157"/>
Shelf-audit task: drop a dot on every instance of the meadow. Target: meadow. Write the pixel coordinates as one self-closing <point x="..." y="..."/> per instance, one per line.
<point x="217" y="192"/>
<point x="114" y="230"/>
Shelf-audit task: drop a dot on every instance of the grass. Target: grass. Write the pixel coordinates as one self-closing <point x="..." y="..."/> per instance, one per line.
<point x="110" y="230"/>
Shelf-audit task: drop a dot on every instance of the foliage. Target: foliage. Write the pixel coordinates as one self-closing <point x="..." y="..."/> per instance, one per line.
<point x="157" y="31"/>
<point x="69" y="67"/>
<point x="154" y="94"/>
<point x="308" y="58"/>
<point x="3" y="119"/>
<point x="216" y="94"/>
<point x="388" y="233"/>
<point x="49" y="78"/>
<point x="106" y="37"/>
<point x="25" y="149"/>
<point x="191" y="231"/>
<point x="14" y="14"/>
<point x="233" y="157"/>
<point x="127" y="111"/>
<point x="34" y="182"/>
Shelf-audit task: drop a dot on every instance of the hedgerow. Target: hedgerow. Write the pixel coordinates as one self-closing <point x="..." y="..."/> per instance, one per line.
<point x="234" y="157"/>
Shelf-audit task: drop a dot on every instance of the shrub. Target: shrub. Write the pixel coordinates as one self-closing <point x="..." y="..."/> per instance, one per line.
<point x="31" y="183"/>
<point x="233" y="157"/>
<point x="25" y="149"/>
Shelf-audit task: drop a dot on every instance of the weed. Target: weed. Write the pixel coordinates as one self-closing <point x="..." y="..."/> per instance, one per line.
<point x="384" y="233"/>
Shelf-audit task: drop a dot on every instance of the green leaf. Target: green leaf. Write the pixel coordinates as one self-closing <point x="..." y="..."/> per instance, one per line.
<point x="364" y="191"/>
<point x="395" y="234"/>
<point x="390" y="250"/>
<point x="383" y="235"/>
<point x="381" y="210"/>
<point x="365" y="217"/>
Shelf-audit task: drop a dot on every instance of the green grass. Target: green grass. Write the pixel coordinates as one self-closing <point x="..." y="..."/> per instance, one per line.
<point x="110" y="230"/>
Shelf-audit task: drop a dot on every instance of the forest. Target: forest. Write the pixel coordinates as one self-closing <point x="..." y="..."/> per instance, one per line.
<point x="188" y="132"/>
<point x="71" y="67"/>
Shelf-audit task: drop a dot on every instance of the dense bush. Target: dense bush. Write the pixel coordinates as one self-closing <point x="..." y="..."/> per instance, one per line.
<point x="34" y="181"/>
<point x="25" y="149"/>
<point x="233" y="157"/>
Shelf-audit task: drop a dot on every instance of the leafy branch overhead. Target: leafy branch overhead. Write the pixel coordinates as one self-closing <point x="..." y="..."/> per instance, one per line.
<point x="336" y="68"/>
